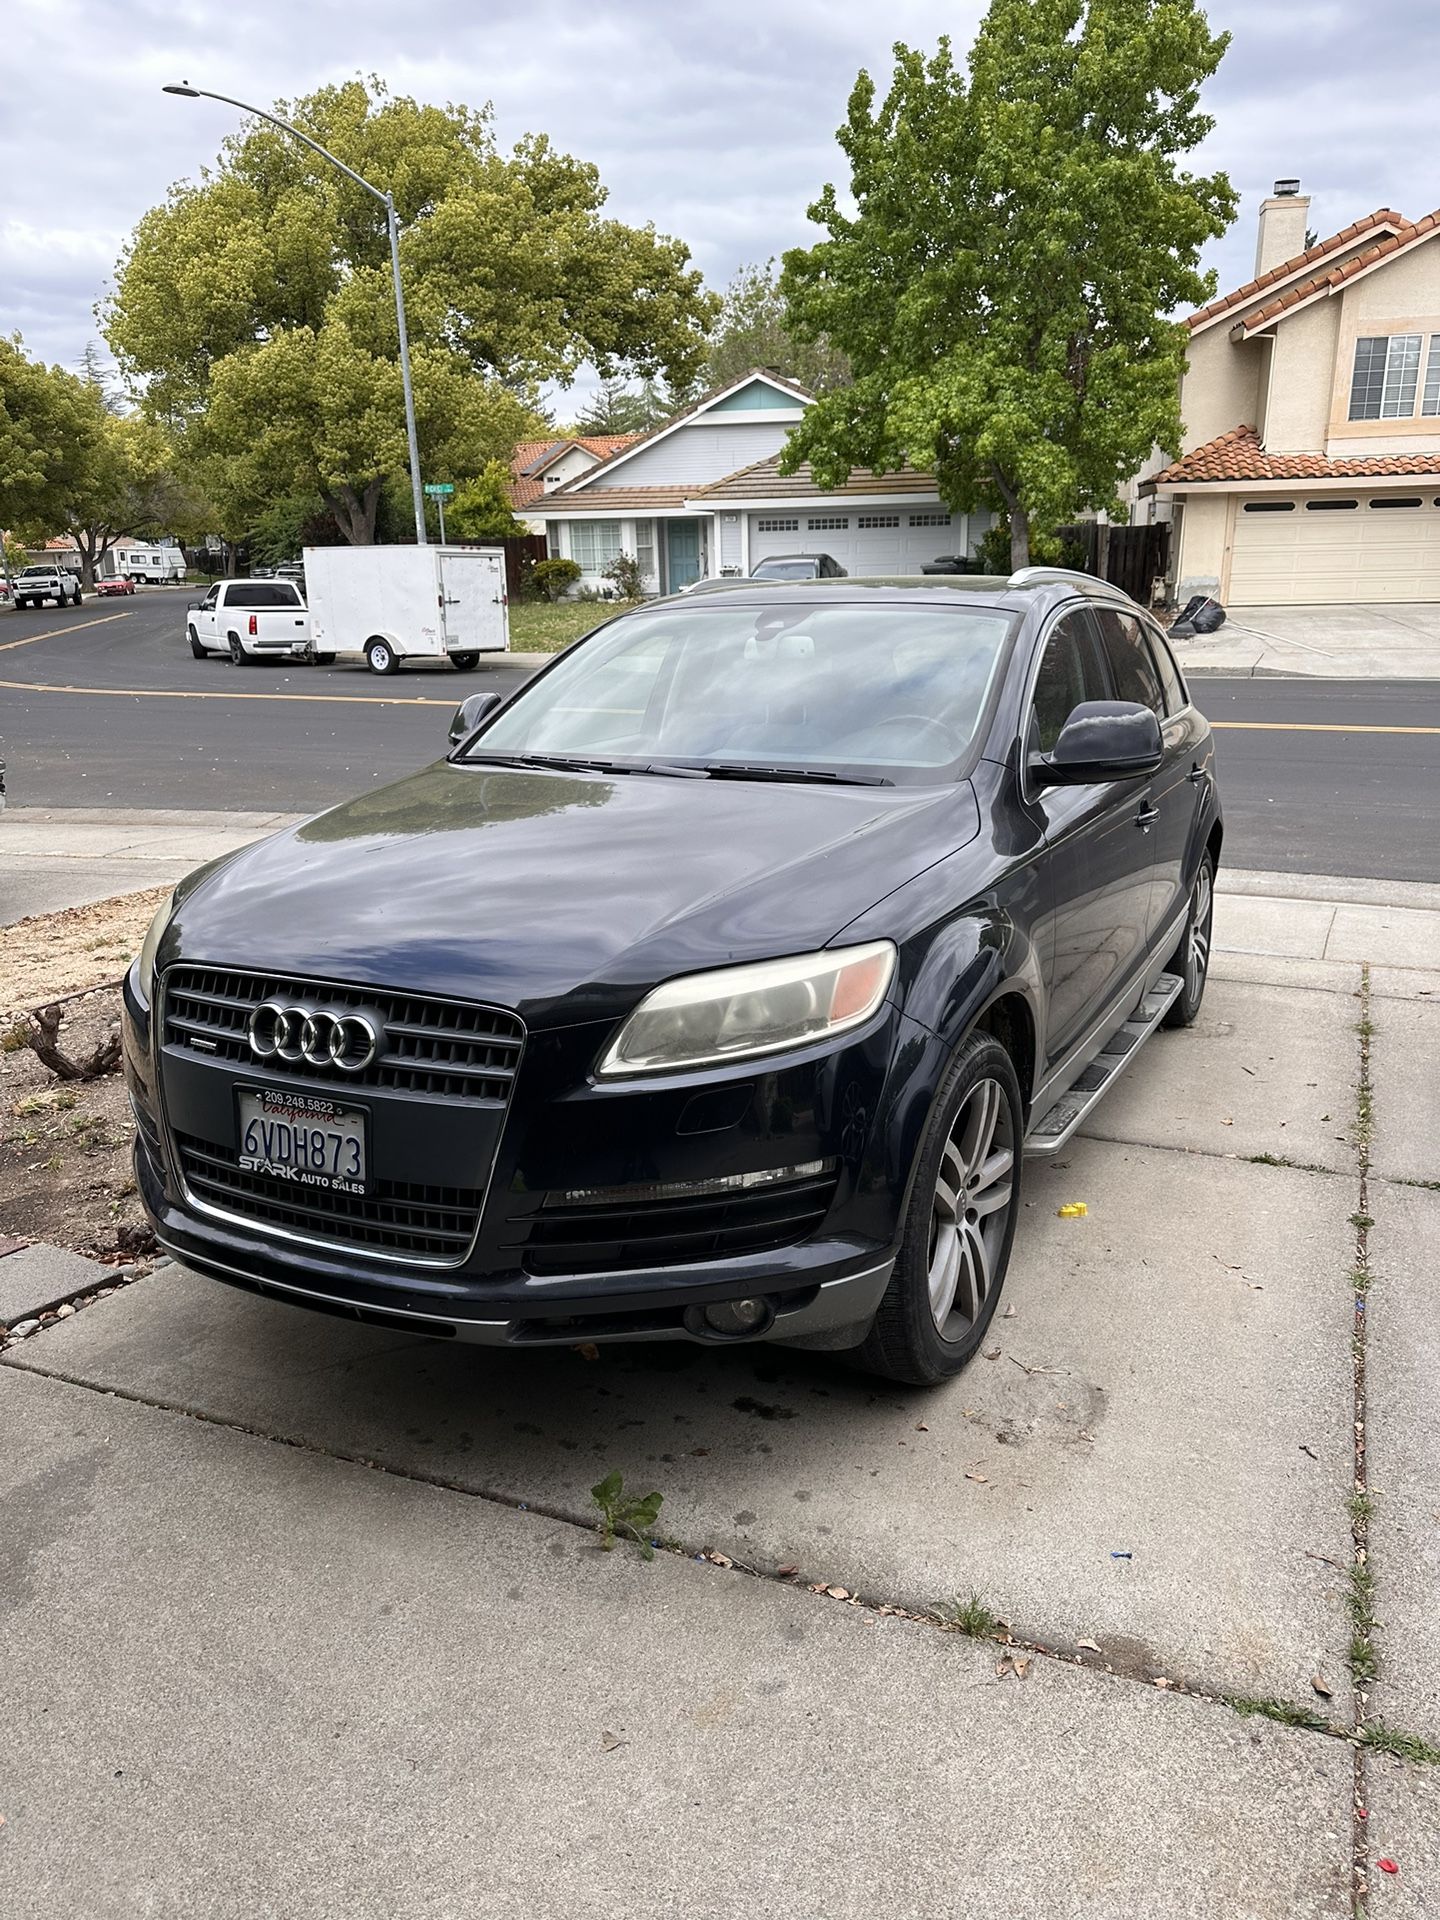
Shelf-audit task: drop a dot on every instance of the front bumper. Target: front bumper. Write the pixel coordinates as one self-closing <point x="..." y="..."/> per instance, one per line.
<point x="564" y="1133"/>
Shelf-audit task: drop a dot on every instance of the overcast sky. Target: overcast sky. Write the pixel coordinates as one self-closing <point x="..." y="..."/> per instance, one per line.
<point x="714" y="121"/>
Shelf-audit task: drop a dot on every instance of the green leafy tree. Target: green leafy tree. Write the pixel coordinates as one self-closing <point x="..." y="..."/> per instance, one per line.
<point x="256" y="305"/>
<point x="1021" y="233"/>
<point x="480" y="509"/>
<point x="47" y="416"/>
<point x="753" y="331"/>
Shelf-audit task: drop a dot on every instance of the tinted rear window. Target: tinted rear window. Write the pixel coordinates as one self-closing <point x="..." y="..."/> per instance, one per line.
<point x="263" y="593"/>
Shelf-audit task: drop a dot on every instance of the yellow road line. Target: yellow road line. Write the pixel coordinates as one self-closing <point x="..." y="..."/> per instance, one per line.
<point x="1307" y="726"/>
<point x="176" y="693"/>
<point x="50" y="632"/>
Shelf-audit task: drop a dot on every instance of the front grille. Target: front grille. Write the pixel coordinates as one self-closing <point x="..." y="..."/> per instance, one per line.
<point x="446" y="1047"/>
<point x="659" y="1233"/>
<point x="398" y="1217"/>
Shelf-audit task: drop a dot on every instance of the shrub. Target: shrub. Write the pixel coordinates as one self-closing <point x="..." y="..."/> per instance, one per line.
<point x="554" y="578"/>
<point x="624" y="571"/>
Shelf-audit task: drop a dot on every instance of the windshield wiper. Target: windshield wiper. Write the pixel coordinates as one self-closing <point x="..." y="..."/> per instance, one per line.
<point x="572" y="763"/>
<point x="736" y="770"/>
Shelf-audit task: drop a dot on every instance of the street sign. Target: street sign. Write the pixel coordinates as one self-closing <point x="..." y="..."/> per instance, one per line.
<point x="442" y="486"/>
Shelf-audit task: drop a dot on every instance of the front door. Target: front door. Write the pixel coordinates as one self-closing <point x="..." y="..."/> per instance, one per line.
<point x="682" y="553"/>
<point x="1099" y="861"/>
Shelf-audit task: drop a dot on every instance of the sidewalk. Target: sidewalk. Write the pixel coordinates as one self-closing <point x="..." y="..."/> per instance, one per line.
<point x="1400" y="642"/>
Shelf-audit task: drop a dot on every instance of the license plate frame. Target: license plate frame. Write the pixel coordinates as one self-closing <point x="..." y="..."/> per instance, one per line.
<point x="344" y="1126"/>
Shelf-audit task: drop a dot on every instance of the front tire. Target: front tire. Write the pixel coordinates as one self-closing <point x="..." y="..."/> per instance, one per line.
<point x="1191" y="959"/>
<point x="959" y="1222"/>
<point x="381" y="656"/>
<point x="195" y="647"/>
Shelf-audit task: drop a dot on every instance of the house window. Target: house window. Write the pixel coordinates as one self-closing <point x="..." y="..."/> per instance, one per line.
<point x="552" y="540"/>
<point x="878" y="520"/>
<point x="829" y="523"/>
<point x="1387" y="371"/>
<point x="594" y="543"/>
<point x="1430" y="401"/>
<point x="777" y="526"/>
<point x="1331" y="506"/>
<point x="645" y="547"/>
<point x="930" y="519"/>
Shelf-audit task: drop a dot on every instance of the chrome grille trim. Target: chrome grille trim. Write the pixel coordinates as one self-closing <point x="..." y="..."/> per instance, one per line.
<point x="453" y="1049"/>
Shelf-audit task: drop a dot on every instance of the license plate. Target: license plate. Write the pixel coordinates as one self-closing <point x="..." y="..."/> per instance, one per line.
<point x="303" y="1138"/>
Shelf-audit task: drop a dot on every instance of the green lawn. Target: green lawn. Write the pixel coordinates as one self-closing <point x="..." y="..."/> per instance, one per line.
<point x="546" y="627"/>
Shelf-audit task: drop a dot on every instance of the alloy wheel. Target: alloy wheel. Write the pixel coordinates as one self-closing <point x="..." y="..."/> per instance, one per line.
<point x="973" y="1195"/>
<point x="1197" y="941"/>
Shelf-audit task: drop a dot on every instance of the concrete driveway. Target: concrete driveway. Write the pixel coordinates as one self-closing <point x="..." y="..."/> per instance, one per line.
<point x="1370" y="641"/>
<point x="306" y="1617"/>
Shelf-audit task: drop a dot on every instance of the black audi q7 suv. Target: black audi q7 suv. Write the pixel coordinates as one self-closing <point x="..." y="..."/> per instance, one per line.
<point x="713" y="987"/>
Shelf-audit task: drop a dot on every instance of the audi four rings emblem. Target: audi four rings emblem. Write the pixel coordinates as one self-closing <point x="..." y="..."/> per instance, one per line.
<point x="313" y="1034"/>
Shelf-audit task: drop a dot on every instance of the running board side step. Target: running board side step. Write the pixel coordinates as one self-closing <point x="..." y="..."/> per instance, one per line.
<point x="1054" y="1128"/>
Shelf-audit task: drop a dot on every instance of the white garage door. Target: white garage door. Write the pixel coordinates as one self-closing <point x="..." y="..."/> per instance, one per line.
<point x="1332" y="548"/>
<point x="878" y="541"/>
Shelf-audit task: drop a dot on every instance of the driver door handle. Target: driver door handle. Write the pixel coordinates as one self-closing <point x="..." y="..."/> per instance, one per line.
<point x="1147" y="817"/>
<point x="1196" y="774"/>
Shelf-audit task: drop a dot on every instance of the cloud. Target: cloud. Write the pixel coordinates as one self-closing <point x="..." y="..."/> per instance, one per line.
<point x="714" y="122"/>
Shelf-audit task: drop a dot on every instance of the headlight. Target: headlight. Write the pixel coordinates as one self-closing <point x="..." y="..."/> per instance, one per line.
<point x="708" y="1018"/>
<point x="151" y="945"/>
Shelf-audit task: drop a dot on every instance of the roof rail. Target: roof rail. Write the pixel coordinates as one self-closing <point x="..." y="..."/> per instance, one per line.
<point x="1067" y="577"/>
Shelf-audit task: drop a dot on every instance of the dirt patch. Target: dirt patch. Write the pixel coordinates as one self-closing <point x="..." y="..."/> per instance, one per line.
<point x="65" y="1174"/>
<point x="53" y="954"/>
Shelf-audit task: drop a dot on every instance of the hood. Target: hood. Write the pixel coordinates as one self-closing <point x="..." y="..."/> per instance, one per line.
<point x="562" y="894"/>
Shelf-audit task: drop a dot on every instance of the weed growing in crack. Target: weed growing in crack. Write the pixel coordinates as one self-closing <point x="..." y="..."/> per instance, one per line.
<point x="1361" y="1506"/>
<point x="1287" y="1712"/>
<point x="970" y="1616"/>
<point x="1364" y="1662"/>
<point x="626" y="1514"/>
<point x="1405" y="1746"/>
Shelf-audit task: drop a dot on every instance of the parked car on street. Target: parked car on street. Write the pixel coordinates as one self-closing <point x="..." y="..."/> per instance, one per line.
<point x="712" y="988"/>
<point x="798" y="566"/>
<point x="249" y="620"/>
<point x="46" y="581"/>
<point x="119" y="583"/>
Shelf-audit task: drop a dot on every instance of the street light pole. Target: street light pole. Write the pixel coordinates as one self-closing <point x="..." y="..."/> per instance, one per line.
<point x="387" y="200"/>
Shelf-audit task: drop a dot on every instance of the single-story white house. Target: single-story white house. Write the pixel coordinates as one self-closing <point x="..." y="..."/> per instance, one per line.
<point x="703" y="495"/>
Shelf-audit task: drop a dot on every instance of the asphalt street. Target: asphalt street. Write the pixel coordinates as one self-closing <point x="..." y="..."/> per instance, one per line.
<point x="102" y="705"/>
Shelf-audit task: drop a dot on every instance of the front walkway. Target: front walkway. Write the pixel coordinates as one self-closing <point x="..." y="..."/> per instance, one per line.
<point x="305" y="1616"/>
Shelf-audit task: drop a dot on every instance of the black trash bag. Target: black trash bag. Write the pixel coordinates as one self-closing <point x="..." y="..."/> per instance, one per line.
<point x="1200" y="614"/>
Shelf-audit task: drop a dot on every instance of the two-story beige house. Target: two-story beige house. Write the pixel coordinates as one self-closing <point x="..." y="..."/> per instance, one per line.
<point x="1311" y="401"/>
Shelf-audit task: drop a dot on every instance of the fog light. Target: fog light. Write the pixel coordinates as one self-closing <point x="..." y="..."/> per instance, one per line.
<point x="738" y="1316"/>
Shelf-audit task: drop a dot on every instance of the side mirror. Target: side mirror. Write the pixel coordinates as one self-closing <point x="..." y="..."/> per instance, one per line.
<point x="470" y="716"/>
<point x="1102" y="740"/>
<point x="193" y="606"/>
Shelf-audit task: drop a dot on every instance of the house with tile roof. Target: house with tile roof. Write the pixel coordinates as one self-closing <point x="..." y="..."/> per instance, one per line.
<point x="1310" y="469"/>
<point x="540" y="466"/>
<point x="702" y="495"/>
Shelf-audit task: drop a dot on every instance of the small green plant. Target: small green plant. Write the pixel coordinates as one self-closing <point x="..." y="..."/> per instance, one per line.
<point x="625" y="575"/>
<point x="623" y="1513"/>
<point x="1362" y="1222"/>
<point x="15" y="1039"/>
<point x="970" y="1616"/>
<point x="1361" y="1507"/>
<point x="1405" y="1746"/>
<point x="1364" y="1661"/>
<point x="554" y="578"/>
<point x="1287" y="1712"/>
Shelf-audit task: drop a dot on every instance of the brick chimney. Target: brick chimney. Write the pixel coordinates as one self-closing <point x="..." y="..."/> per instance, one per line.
<point x="1283" y="219"/>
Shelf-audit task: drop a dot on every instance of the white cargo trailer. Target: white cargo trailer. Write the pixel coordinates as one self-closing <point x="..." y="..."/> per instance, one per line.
<point x="395" y="604"/>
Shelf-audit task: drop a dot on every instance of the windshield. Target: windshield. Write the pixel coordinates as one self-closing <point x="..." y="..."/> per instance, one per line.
<point x="882" y="691"/>
<point x="786" y="570"/>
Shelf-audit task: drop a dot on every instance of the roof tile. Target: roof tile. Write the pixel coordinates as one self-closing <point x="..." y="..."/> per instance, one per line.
<point x="1407" y="236"/>
<point x="1382" y="217"/>
<point x="1238" y="455"/>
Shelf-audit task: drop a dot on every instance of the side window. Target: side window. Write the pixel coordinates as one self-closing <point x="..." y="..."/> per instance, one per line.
<point x="207" y="605"/>
<point x="1070" y="673"/>
<point x="1175" y="694"/>
<point x="1131" y="667"/>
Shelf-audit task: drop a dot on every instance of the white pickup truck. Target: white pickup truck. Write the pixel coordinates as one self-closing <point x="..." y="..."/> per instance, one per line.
<point x="35" y="585"/>
<point x="249" y="620"/>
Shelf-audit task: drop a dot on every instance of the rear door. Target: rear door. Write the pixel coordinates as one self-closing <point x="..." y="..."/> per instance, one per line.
<point x="1176" y="792"/>
<point x="1098" y="857"/>
<point x="472" y="592"/>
